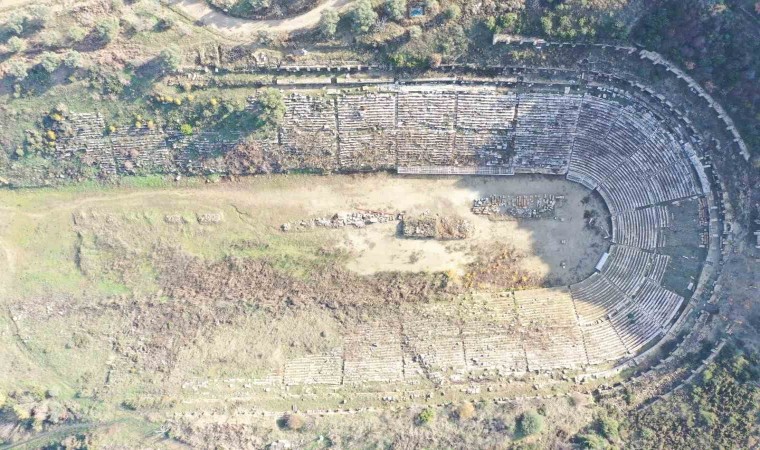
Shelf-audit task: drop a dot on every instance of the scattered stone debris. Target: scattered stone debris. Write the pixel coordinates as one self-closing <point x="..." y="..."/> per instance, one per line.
<point x="434" y="226"/>
<point x="540" y="206"/>
<point x="210" y="218"/>
<point x="357" y="219"/>
<point x="174" y="219"/>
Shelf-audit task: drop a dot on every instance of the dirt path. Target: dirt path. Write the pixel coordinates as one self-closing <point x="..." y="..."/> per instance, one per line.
<point x="201" y="12"/>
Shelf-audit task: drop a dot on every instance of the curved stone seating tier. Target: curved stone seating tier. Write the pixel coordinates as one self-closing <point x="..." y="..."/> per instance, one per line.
<point x="640" y="228"/>
<point x="624" y="191"/>
<point x="603" y="344"/>
<point x="644" y="318"/>
<point x="597" y="116"/>
<point x="593" y="161"/>
<point x="545" y="128"/>
<point x="551" y="335"/>
<point x="627" y="267"/>
<point x="491" y="335"/>
<point x="140" y="148"/>
<point x="595" y="297"/>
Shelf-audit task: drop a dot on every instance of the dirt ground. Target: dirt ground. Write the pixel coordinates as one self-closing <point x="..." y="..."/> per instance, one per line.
<point x="537" y="241"/>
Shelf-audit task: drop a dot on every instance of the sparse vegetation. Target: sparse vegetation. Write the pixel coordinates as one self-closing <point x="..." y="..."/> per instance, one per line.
<point x="530" y="423"/>
<point x="426" y="416"/>
<point x="272" y="107"/>
<point x="107" y="29"/>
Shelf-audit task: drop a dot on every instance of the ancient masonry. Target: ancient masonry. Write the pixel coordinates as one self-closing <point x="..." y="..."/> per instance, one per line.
<point x="611" y="140"/>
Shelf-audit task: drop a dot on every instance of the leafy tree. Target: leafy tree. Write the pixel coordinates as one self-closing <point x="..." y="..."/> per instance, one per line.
<point x="171" y="58"/>
<point x="363" y="16"/>
<point x="547" y="24"/>
<point x="16" y="44"/>
<point x="107" y="29"/>
<point x="272" y="106"/>
<point x="530" y="423"/>
<point x="396" y="9"/>
<point x="328" y="22"/>
<point x="186" y="129"/>
<point x="50" y="62"/>
<point x="510" y="22"/>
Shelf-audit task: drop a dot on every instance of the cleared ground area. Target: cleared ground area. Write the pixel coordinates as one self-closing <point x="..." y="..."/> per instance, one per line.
<point x="175" y="295"/>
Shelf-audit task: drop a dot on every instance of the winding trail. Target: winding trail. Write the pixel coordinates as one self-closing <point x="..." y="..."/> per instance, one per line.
<point x="201" y="12"/>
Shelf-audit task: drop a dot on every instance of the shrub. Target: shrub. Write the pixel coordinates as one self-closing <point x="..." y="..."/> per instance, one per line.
<point x="592" y="441"/>
<point x="466" y="411"/>
<point x="363" y="16"/>
<point x="396" y="9"/>
<point x="39" y="16"/>
<point x="294" y="422"/>
<point x="17" y="69"/>
<point x="73" y="60"/>
<point x="165" y="23"/>
<point x="107" y="29"/>
<point x="435" y="60"/>
<point x="530" y="423"/>
<point x="510" y="22"/>
<point x="171" y="58"/>
<point x="50" y="62"/>
<point x="609" y="428"/>
<point x="76" y="34"/>
<point x="16" y="44"/>
<point x="415" y="32"/>
<point x="453" y="12"/>
<point x="432" y="7"/>
<point x="328" y="22"/>
<point x="425" y="416"/>
<point x="272" y="106"/>
<point x="186" y="129"/>
<point x="51" y="38"/>
<point x="15" y="24"/>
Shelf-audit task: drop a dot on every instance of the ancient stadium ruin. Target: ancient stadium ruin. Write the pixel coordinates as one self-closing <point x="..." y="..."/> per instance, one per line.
<point x="618" y="139"/>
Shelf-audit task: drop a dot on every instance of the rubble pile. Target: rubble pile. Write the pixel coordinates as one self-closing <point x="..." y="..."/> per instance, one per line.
<point x="539" y="206"/>
<point x="434" y="226"/>
<point x="358" y="219"/>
